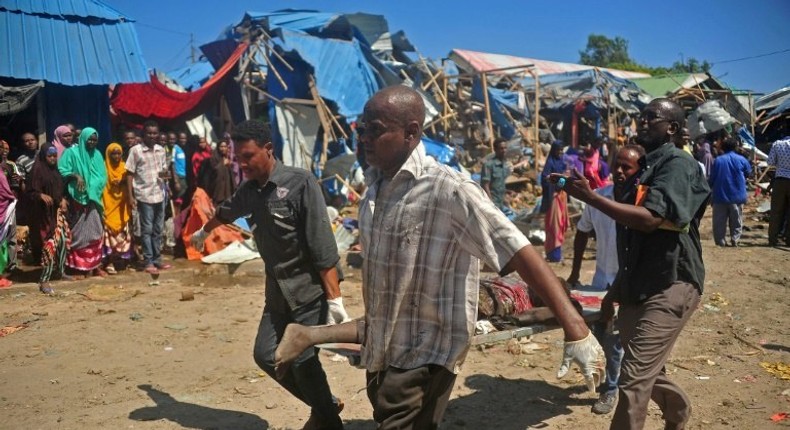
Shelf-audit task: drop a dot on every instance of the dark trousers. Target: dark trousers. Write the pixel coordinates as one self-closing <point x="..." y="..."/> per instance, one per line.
<point x="780" y="206"/>
<point x="648" y="332"/>
<point x="305" y="379"/>
<point x="410" y="399"/>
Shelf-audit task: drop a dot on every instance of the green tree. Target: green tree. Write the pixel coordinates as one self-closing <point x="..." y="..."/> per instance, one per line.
<point x="602" y="51"/>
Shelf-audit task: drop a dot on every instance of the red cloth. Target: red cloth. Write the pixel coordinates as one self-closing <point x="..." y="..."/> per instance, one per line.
<point x="154" y="100"/>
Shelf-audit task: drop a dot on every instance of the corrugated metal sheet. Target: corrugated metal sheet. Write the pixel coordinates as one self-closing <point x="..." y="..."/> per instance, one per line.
<point x="661" y="86"/>
<point x="44" y="45"/>
<point x="75" y="8"/>
<point x="483" y="61"/>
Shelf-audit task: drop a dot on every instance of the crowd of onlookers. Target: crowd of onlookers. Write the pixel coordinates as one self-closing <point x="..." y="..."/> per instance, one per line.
<point x="94" y="212"/>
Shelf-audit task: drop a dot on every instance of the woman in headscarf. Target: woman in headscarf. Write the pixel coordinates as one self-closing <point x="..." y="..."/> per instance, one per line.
<point x="554" y="204"/>
<point x="117" y="239"/>
<point x="201" y="154"/>
<point x="49" y="231"/>
<point x="63" y="139"/>
<point x="7" y="222"/>
<point x="216" y="175"/>
<point x="83" y="170"/>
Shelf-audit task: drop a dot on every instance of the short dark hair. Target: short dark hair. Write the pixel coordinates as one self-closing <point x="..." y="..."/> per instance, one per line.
<point x="729" y="144"/>
<point x="498" y="141"/>
<point x="252" y="130"/>
<point x="150" y="123"/>
<point x="638" y="149"/>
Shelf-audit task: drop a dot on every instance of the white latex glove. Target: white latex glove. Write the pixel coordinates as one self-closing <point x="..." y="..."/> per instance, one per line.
<point x="588" y="354"/>
<point x="198" y="239"/>
<point x="337" y="313"/>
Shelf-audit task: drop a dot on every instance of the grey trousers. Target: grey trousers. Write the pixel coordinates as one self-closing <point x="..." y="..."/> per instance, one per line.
<point x="723" y="215"/>
<point x="648" y="332"/>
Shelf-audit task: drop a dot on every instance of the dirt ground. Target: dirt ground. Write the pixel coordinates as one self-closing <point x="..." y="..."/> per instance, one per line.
<point x="122" y="354"/>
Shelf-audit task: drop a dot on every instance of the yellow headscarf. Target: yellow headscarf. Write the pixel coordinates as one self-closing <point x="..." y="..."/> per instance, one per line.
<point x="116" y="205"/>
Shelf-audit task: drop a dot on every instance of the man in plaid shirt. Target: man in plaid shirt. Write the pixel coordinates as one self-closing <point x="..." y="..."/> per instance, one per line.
<point x="424" y="229"/>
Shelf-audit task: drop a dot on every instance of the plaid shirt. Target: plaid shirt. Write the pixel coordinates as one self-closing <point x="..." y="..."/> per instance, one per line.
<point x="144" y="164"/>
<point x="422" y="236"/>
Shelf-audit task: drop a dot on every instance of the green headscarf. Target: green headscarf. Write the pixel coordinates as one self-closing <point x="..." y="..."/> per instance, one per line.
<point x="87" y="163"/>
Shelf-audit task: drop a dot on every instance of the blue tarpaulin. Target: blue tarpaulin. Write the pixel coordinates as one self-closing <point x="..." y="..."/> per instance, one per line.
<point x="442" y="152"/>
<point x="500" y="99"/>
<point x="192" y="76"/>
<point x="341" y="71"/>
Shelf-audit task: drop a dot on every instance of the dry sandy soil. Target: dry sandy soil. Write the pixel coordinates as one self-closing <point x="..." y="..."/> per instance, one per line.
<point x="122" y="354"/>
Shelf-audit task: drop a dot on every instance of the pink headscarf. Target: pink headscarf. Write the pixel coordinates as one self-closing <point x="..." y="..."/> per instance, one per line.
<point x="59" y="132"/>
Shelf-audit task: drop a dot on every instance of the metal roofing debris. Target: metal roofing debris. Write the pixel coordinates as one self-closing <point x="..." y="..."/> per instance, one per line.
<point x="65" y="8"/>
<point x="342" y="73"/>
<point x="483" y="61"/>
<point x="64" y="42"/>
<point x="661" y="86"/>
<point x="772" y="100"/>
<point x="191" y="77"/>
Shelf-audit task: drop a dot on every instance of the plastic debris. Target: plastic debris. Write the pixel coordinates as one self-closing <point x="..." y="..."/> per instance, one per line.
<point x="781" y="416"/>
<point x="778" y="369"/>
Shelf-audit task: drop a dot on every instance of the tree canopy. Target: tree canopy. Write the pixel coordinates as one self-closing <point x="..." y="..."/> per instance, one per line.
<point x="601" y="51"/>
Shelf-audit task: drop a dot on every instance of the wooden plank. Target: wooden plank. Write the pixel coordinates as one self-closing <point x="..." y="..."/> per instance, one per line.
<point x="488" y="111"/>
<point x="324" y="122"/>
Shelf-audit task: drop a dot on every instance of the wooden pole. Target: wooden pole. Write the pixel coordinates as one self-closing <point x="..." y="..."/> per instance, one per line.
<point x="488" y="111"/>
<point x="536" y="123"/>
<point x="324" y="122"/>
<point x="445" y="123"/>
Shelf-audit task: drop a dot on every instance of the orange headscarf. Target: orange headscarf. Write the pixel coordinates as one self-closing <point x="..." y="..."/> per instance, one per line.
<point x="116" y="205"/>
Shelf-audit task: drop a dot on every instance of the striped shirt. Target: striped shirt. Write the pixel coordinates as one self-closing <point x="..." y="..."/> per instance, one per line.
<point x="779" y="157"/>
<point x="423" y="234"/>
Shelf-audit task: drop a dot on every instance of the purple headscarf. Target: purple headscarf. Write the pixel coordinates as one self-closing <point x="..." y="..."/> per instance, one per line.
<point x="59" y="132"/>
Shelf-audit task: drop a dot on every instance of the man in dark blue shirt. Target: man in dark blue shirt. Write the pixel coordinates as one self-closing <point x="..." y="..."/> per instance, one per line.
<point x="728" y="184"/>
<point x="661" y="273"/>
<point x="287" y="214"/>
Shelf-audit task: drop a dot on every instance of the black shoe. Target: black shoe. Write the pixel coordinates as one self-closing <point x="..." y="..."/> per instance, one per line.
<point x="605" y="403"/>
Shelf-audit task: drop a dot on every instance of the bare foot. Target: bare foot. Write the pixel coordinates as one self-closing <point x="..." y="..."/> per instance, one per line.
<point x="295" y="340"/>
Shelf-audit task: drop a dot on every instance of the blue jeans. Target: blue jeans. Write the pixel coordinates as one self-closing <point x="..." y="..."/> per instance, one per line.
<point x="614" y="355"/>
<point x="152" y="220"/>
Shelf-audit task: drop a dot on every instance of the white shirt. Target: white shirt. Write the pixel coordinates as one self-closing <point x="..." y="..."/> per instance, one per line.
<point x="605" y="240"/>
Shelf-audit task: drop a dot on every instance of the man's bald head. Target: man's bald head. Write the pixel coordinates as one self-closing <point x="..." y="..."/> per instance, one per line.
<point x="402" y="104"/>
<point x="671" y="110"/>
<point x="391" y="127"/>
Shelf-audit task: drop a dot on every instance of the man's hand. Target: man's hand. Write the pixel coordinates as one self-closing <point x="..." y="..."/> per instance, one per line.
<point x="575" y="185"/>
<point x="588" y="354"/>
<point x="198" y="239"/>
<point x="337" y="313"/>
<point x="64" y="205"/>
<point x="133" y="203"/>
